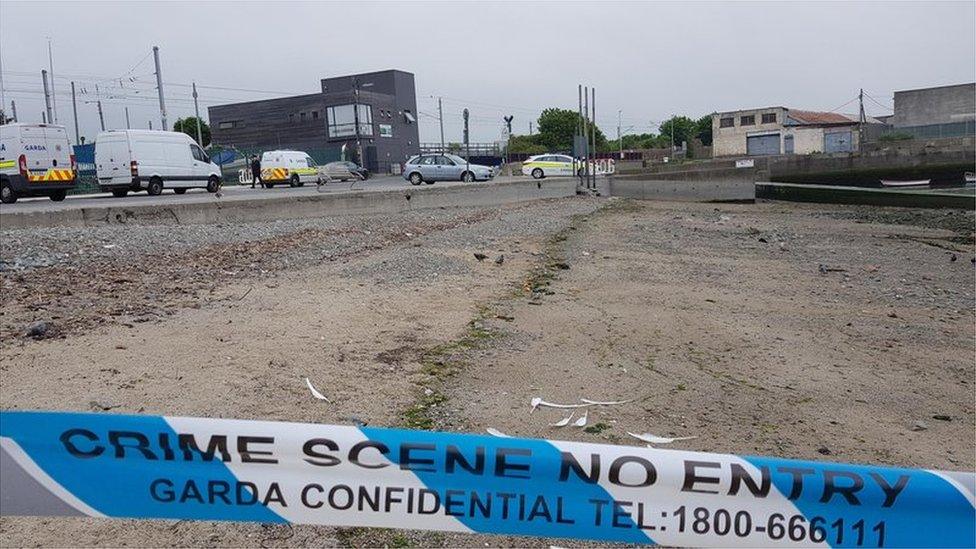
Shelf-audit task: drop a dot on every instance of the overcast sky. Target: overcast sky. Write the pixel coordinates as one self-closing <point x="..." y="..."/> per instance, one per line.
<point x="647" y="59"/>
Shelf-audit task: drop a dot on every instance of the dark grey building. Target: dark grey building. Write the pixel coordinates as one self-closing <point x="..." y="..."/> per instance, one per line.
<point x="370" y="118"/>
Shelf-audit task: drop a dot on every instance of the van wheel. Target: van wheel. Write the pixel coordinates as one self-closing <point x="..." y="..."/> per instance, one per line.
<point x="213" y="185"/>
<point x="7" y="195"/>
<point x="120" y="193"/>
<point x="467" y="177"/>
<point x="537" y="173"/>
<point x="179" y="191"/>
<point x="416" y="179"/>
<point x="269" y="185"/>
<point x="294" y="181"/>
<point x="58" y="195"/>
<point x="155" y="186"/>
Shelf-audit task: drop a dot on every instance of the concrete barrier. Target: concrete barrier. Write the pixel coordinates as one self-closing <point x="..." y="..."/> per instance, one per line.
<point x="686" y="191"/>
<point x="832" y="194"/>
<point x="291" y="207"/>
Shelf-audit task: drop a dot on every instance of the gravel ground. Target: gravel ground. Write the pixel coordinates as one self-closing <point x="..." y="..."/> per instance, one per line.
<point x="777" y="329"/>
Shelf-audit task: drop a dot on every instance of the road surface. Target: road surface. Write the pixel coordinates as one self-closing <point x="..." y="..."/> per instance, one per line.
<point x="228" y="193"/>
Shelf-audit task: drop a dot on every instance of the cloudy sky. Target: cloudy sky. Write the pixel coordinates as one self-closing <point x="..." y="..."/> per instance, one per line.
<point x="646" y="59"/>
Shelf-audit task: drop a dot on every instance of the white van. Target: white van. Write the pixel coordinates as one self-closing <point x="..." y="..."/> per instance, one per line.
<point x="293" y="167"/>
<point x="35" y="160"/>
<point x="133" y="160"/>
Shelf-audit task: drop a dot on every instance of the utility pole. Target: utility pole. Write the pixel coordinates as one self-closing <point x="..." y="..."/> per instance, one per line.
<point x="355" y="117"/>
<point x="440" y="117"/>
<point x="13" y="109"/>
<point x="196" y="109"/>
<point x="127" y="126"/>
<point x="43" y="117"/>
<point x="467" y="142"/>
<point x="861" y="120"/>
<point x="54" y="96"/>
<point x="74" y="109"/>
<point x="530" y="127"/>
<point x="672" y="137"/>
<point x="159" y="88"/>
<point x="620" y="141"/>
<point x="47" y="97"/>
<point x="586" y="134"/>
<point x="101" y="116"/>
<point x="577" y="153"/>
<point x="150" y="124"/>
<point x="508" y="142"/>
<point x="593" y="133"/>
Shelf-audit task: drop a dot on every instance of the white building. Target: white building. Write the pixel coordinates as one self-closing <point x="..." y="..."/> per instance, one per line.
<point x="780" y="130"/>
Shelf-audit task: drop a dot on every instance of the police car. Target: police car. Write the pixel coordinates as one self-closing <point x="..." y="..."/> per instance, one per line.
<point x="35" y="160"/>
<point x="548" y="165"/>
<point x="294" y="168"/>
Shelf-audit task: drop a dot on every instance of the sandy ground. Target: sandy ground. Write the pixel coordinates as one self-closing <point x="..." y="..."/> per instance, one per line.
<point x="718" y="320"/>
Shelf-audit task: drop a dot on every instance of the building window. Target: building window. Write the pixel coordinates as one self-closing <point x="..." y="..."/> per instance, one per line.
<point x="726" y="122"/>
<point x="747" y="120"/>
<point x="228" y="124"/>
<point x="291" y="118"/>
<point x="769" y="118"/>
<point x="301" y="116"/>
<point x="365" y="120"/>
<point x="342" y="120"/>
<point x="315" y="115"/>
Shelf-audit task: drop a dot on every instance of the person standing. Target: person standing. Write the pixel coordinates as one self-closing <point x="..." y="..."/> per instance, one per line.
<point x="256" y="171"/>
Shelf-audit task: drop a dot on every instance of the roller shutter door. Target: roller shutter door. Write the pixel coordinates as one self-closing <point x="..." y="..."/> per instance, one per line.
<point x="760" y="145"/>
<point x="838" y="142"/>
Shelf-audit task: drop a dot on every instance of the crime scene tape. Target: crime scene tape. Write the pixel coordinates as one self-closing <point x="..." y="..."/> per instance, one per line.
<point x="152" y="467"/>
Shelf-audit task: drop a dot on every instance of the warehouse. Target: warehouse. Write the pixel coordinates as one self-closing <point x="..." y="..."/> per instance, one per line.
<point x="369" y="118"/>
<point x="780" y="130"/>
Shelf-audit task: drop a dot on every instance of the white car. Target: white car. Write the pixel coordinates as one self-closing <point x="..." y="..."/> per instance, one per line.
<point x="548" y="165"/>
<point x="135" y="160"/>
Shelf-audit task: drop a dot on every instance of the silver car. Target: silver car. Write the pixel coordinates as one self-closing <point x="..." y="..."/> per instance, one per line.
<point x="428" y="168"/>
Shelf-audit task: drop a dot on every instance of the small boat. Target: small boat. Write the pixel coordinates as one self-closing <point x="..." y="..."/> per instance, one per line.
<point x="969" y="177"/>
<point x="915" y="183"/>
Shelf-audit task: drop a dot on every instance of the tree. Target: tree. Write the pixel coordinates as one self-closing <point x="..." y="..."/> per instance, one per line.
<point x="525" y="144"/>
<point x="188" y="126"/>
<point x="557" y="127"/>
<point x="703" y="129"/>
<point x="684" y="130"/>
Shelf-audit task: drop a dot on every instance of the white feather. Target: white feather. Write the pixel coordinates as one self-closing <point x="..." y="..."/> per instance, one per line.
<point x="581" y="422"/>
<point x="564" y="421"/>
<point x="605" y="403"/>
<point x="536" y="402"/>
<point x="654" y="439"/>
<point x="315" y="393"/>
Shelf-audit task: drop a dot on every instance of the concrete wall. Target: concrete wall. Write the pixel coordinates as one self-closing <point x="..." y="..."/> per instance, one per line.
<point x="732" y="141"/>
<point x="806" y="140"/>
<point x="711" y="190"/>
<point x="292" y="207"/>
<point x="942" y="105"/>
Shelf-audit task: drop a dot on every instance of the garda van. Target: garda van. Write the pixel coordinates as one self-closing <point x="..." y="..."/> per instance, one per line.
<point x="295" y="168"/>
<point x="35" y="160"/>
<point x="135" y="160"/>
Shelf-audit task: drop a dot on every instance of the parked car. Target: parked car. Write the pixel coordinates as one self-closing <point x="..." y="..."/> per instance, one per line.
<point x="35" y="160"/>
<point x="428" y="168"/>
<point x="135" y="160"/>
<point x="547" y="165"/>
<point x="295" y="168"/>
<point x="345" y="170"/>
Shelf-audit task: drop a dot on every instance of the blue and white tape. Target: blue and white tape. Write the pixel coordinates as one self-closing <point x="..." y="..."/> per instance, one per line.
<point x="151" y="467"/>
